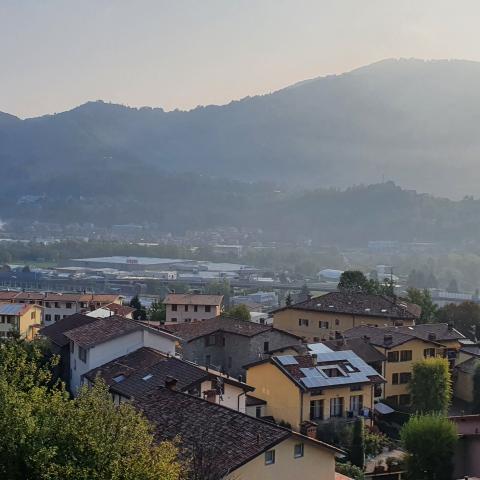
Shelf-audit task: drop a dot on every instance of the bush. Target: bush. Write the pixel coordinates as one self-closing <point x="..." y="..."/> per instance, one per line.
<point x="350" y="471"/>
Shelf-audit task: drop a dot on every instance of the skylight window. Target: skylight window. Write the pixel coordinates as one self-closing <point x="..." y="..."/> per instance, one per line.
<point x="147" y="377"/>
<point x="119" y="378"/>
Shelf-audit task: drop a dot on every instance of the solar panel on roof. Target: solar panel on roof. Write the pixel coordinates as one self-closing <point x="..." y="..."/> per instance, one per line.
<point x="287" y="360"/>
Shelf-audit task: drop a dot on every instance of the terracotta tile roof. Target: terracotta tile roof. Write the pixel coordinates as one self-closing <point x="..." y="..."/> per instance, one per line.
<point x="57" y="297"/>
<point x="388" y="337"/>
<point x="357" y="304"/>
<point x="56" y="331"/>
<point x="193" y="330"/>
<point x="105" y="329"/>
<point x="193" y="299"/>
<point x="228" y="439"/>
<point x="122" y="310"/>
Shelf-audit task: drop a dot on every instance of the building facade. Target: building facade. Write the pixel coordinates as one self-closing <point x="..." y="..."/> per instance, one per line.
<point x="186" y="308"/>
<point x="20" y="319"/>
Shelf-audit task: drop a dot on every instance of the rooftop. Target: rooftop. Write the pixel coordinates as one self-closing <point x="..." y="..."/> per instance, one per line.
<point x="228" y="439"/>
<point x="193" y="299"/>
<point x="146" y="369"/>
<point x="56" y="331"/>
<point x="105" y="329"/>
<point x="325" y="370"/>
<point x="13" y="308"/>
<point x="358" y="304"/>
<point x="193" y="330"/>
<point x="389" y="337"/>
<point x="58" y="297"/>
<point x="359" y="346"/>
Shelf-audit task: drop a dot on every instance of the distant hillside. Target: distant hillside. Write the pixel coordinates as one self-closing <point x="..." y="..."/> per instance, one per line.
<point x="410" y="121"/>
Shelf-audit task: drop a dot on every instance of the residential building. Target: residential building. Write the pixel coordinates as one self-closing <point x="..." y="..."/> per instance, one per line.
<point x="402" y="347"/>
<point x="234" y="446"/>
<point x="302" y="389"/>
<point x="144" y="370"/>
<point x="96" y="343"/>
<point x="60" y="305"/>
<point x="326" y="317"/>
<point x="467" y="450"/>
<point x="228" y="344"/>
<point x="112" y="309"/>
<point x="188" y="307"/>
<point x="21" y="319"/>
<point x="60" y="344"/>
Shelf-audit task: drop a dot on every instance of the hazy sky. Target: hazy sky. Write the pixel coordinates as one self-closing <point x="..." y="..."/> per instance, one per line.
<point x="56" y="54"/>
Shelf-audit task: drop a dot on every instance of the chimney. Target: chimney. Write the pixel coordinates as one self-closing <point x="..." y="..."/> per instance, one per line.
<point x="387" y="339"/>
<point x="432" y="336"/>
<point x="171" y="382"/>
<point x="314" y="358"/>
<point x="309" y="429"/>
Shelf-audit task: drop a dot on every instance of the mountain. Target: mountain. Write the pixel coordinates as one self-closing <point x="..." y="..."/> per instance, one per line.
<point x="411" y="121"/>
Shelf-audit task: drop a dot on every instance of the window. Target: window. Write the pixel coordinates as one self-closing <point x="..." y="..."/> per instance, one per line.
<point x="392" y="400"/>
<point x="316" y="410"/>
<point x="195" y="308"/>
<point x="405" y="377"/>
<point x="336" y="407"/>
<point x="82" y="354"/>
<point x="57" y="305"/>
<point x="266" y="346"/>
<point x="392" y="357"/>
<point x="356" y="403"/>
<point x="404" y="399"/>
<point x="337" y="321"/>
<point x="186" y="308"/>
<point x="270" y="457"/>
<point x="303" y="322"/>
<point x="395" y="379"/>
<point x="174" y="307"/>
<point x="33" y="315"/>
<point x="322" y="324"/>
<point x="188" y="320"/>
<point x="298" y="450"/>
<point x="258" y="412"/>
<point x="173" y="320"/>
<point x="48" y="317"/>
<point x="57" y="318"/>
<point x="207" y="308"/>
<point x="47" y="304"/>
<point x="332" y="372"/>
<point x="405" y="355"/>
<point x="68" y="305"/>
<point x="429" y="352"/>
<point x="208" y="359"/>
<point x="210" y="340"/>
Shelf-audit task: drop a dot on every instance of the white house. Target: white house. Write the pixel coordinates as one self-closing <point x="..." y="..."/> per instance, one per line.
<point x="106" y="339"/>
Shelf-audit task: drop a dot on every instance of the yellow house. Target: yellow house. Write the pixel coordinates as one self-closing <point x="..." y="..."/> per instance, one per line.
<point x="326" y="317"/>
<point x="223" y="443"/>
<point x="402" y="347"/>
<point x="19" y="318"/>
<point x="311" y="388"/>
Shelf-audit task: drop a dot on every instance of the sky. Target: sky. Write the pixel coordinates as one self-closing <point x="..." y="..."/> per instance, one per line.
<point x="57" y="54"/>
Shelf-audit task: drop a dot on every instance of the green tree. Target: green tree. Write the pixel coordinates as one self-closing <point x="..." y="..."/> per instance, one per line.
<point x="431" y="386"/>
<point x="354" y="281"/>
<point x="288" y="300"/>
<point x="465" y="317"/>
<point x="357" y="451"/>
<point x="140" y="312"/>
<point x="157" y="312"/>
<point x="423" y="299"/>
<point x="476" y="390"/>
<point x="239" y="312"/>
<point x="430" y="444"/>
<point x="350" y="471"/>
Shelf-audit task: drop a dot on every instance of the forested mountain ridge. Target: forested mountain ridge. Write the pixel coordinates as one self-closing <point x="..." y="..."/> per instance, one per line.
<point x="414" y="122"/>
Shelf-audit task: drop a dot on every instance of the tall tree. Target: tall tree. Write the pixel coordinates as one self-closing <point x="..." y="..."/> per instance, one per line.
<point x="157" y="312"/>
<point x="431" y="386"/>
<point x="357" y="451"/>
<point x="430" y="444"/>
<point x="423" y="299"/>
<point x="465" y="317"/>
<point x="140" y="312"/>
<point x="353" y="281"/>
<point x="288" y="300"/>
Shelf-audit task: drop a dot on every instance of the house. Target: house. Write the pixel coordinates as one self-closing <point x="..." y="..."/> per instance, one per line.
<point x="21" y="319"/>
<point x="315" y="387"/>
<point x="189" y="307"/>
<point x="227" y="344"/>
<point x="60" y="344"/>
<point x="60" y="305"/>
<point x="223" y="443"/>
<point x="326" y="317"/>
<point x="402" y="347"/>
<point x="144" y="370"/>
<point x="467" y="451"/>
<point x="112" y="309"/>
<point x="96" y="343"/>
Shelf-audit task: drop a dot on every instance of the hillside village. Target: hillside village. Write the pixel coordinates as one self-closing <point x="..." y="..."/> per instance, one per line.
<point x="269" y="400"/>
